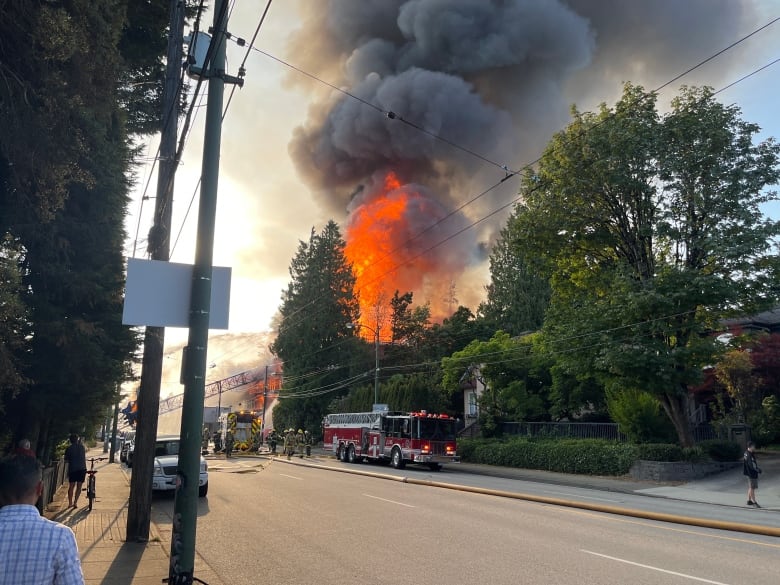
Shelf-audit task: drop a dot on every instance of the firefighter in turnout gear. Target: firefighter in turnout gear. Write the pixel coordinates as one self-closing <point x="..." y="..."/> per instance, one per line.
<point x="229" y="444"/>
<point x="289" y="443"/>
<point x="307" y="441"/>
<point x="272" y="440"/>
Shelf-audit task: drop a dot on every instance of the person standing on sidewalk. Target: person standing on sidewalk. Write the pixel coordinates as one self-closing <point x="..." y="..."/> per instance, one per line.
<point x="76" y="456"/>
<point x="751" y="470"/>
<point x="23" y="448"/>
<point x="33" y="550"/>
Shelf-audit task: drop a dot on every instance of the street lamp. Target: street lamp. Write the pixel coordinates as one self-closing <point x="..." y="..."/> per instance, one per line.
<point x="376" y="355"/>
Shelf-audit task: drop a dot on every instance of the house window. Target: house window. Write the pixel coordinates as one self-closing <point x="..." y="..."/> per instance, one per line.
<point x="472" y="404"/>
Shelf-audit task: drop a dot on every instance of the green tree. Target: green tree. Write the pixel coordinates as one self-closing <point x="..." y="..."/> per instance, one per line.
<point x="517" y="295"/>
<point x="65" y="152"/>
<point x="516" y="384"/>
<point x="314" y="340"/>
<point x="13" y="325"/>
<point x="651" y="230"/>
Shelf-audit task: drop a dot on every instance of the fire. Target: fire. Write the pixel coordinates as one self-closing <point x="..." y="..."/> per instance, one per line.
<point x="383" y="246"/>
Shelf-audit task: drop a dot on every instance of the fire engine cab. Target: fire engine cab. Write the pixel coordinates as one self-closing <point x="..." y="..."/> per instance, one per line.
<point x="395" y="437"/>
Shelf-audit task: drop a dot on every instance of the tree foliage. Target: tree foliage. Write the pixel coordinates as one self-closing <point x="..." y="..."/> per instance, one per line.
<point x="66" y="158"/>
<point x="516" y="381"/>
<point x="314" y="340"/>
<point x="650" y="229"/>
<point x="517" y="295"/>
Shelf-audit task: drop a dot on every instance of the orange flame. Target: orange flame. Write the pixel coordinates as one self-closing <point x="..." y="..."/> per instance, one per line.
<point x="378" y="246"/>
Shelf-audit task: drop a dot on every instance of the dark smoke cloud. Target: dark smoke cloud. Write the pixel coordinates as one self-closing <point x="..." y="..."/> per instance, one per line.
<point x="494" y="76"/>
<point x="454" y="67"/>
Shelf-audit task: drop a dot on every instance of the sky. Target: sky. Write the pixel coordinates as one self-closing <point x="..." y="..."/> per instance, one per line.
<point x="445" y="97"/>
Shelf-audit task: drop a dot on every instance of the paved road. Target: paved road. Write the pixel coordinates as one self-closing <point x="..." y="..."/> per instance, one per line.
<point x="273" y="522"/>
<point x="719" y="498"/>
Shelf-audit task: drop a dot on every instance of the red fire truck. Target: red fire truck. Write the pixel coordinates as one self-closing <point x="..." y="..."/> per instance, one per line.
<point x="395" y="437"/>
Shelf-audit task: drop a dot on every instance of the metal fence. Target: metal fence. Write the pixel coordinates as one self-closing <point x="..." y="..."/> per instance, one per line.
<point x="583" y="430"/>
<point x="53" y="477"/>
<point x="574" y="430"/>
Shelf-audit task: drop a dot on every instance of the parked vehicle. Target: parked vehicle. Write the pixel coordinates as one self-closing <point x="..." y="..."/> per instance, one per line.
<point x="166" y="465"/>
<point x="126" y="446"/>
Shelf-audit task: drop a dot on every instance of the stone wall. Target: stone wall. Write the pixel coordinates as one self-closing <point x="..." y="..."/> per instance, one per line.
<point x="676" y="470"/>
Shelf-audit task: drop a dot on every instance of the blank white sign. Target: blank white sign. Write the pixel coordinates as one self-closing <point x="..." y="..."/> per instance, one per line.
<point x="158" y="293"/>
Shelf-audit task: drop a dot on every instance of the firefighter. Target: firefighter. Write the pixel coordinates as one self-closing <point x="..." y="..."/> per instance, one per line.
<point x="205" y="440"/>
<point x="307" y="440"/>
<point x="300" y="442"/>
<point x="272" y="438"/>
<point x="228" y="444"/>
<point x="289" y="443"/>
<point x="218" y="442"/>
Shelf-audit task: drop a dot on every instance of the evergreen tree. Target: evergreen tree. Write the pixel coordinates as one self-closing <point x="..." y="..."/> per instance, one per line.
<point x="314" y="340"/>
<point x="517" y="296"/>
<point x="67" y="73"/>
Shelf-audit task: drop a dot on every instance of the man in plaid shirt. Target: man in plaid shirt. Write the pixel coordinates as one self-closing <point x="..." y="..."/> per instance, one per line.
<point x="33" y="550"/>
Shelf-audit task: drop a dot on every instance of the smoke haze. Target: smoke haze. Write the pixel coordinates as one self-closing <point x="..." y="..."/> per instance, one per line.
<point x="493" y="77"/>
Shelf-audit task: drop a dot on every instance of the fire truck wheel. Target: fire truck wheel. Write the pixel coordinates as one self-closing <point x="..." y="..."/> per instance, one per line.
<point x="351" y="454"/>
<point x="343" y="453"/>
<point x="396" y="459"/>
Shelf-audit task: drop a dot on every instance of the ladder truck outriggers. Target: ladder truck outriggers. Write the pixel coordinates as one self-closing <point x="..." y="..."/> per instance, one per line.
<point x="397" y="438"/>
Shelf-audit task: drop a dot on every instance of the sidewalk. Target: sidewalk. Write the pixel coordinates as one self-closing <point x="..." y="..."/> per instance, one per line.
<point x="106" y="558"/>
<point x="728" y="488"/>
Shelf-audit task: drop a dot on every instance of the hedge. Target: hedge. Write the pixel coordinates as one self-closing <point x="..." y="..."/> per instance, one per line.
<point x="585" y="456"/>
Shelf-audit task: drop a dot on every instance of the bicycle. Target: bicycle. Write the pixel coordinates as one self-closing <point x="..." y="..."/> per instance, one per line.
<point x="91" y="480"/>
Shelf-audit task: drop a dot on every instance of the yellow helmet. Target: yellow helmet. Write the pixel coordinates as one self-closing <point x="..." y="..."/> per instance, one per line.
<point x="300" y="430"/>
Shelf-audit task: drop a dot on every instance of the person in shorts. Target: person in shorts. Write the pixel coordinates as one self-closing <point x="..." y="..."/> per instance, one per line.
<point x="76" y="457"/>
<point x="751" y="470"/>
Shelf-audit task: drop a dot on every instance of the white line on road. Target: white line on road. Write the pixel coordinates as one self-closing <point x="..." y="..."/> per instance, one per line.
<point x="389" y="501"/>
<point x="291" y="476"/>
<point x="654" y="568"/>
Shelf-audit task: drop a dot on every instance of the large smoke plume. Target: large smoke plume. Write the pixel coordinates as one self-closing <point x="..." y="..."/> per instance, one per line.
<point x="495" y="77"/>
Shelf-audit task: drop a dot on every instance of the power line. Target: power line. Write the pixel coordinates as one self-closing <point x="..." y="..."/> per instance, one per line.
<point x="529" y="165"/>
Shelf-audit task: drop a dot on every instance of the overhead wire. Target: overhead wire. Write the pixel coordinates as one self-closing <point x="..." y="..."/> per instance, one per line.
<point x="241" y="73"/>
<point x="169" y="116"/>
<point x="715" y="92"/>
<point x="509" y="174"/>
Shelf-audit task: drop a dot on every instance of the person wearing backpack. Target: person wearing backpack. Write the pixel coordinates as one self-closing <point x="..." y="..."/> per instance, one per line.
<point x="751" y="470"/>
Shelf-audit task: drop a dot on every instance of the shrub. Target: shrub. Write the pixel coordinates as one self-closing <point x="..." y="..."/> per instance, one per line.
<point x="583" y="456"/>
<point x="721" y="450"/>
<point x="661" y="452"/>
<point x="639" y="415"/>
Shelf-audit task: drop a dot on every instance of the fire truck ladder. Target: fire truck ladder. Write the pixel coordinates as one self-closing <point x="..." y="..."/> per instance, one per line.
<point x="175" y="402"/>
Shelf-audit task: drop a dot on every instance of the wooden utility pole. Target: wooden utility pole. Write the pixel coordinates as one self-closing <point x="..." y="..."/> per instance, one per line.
<point x="148" y="401"/>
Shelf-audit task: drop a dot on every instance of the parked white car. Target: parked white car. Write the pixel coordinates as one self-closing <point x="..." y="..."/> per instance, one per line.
<point x="166" y="464"/>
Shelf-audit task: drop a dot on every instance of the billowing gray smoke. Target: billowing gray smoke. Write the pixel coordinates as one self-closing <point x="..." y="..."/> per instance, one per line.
<point x="495" y="77"/>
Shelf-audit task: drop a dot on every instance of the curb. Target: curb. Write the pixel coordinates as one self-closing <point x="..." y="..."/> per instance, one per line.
<point x="657" y="516"/>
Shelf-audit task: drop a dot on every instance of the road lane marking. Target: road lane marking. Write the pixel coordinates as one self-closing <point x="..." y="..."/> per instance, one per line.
<point x="659" y="525"/>
<point x="389" y="501"/>
<point x="660" y="570"/>
<point x="291" y="476"/>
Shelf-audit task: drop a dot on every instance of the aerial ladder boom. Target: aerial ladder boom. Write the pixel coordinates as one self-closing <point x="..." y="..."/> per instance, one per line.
<point x="231" y="383"/>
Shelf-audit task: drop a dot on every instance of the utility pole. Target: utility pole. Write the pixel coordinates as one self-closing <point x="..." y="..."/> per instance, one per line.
<point x="185" y="512"/>
<point x="148" y="401"/>
<point x="114" y="422"/>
